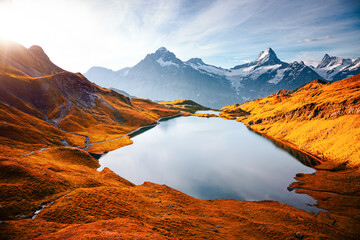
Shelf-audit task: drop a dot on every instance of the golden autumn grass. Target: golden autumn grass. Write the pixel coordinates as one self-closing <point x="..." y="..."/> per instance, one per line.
<point x="188" y="108"/>
<point x="322" y="120"/>
<point x="184" y="105"/>
<point x="111" y="145"/>
<point x="83" y="203"/>
<point x="21" y="133"/>
<point x="109" y="115"/>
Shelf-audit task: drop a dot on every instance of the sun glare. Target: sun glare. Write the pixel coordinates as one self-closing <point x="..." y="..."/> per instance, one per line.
<point x="18" y="22"/>
<point x="33" y="22"/>
<point x="5" y="21"/>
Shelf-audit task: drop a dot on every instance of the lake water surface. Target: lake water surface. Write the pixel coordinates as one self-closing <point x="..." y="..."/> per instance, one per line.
<point x="208" y="112"/>
<point x="210" y="158"/>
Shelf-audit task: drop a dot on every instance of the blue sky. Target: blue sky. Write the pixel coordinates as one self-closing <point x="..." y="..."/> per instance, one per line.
<point x="78" y="34"/>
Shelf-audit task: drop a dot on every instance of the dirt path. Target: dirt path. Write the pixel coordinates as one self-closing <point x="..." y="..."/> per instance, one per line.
<point x="87" y="143"/>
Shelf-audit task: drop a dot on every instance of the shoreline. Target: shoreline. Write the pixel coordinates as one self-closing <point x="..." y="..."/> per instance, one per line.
<point x="162" y="196"/>
<point x="159" y="198"/>
<point x="88" y="144"/>
<point x="314" y="160"/>
<point x="130" y="133"/>
<point x="288" y="147"/>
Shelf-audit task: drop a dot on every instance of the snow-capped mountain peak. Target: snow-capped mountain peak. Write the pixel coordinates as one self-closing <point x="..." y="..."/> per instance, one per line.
<point x="330" y="66"/>
<point x="332" y="62"/>
<point x="296" y="63"/>
<point x="267" y="57"/>
<point x="164" y="58"/>
<point x="264" y="59"/>
<point x="197" y="61"/>
<point x="264" y="54"/>
<point x="325" y="61"/>
<point x="161" y="75"/>
<point x="164" y="53"/>
<point x="161" y="50"/>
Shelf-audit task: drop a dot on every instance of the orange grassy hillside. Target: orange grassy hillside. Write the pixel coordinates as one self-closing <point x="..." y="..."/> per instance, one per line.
<point x="67" y="101"/>
<point x="21" y="133"/>
<point x="320" y="118"/>
<point x="32" y="62"/>
<point x="57" y="192"/>
<point x="82" y="203"/>
<point x="184" y="105"/>
<point x="40" y="113"/>
<point x="232" y="112"/>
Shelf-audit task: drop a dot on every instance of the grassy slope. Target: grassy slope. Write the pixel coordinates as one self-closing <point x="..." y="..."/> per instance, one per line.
<point x="322" y="119"/>
<point x="84" y="203"/>
<point x="110" y="115"/>
<point x="184" y="105"/>
<point x="21" y="133"/>
<point x="32" y="61"/>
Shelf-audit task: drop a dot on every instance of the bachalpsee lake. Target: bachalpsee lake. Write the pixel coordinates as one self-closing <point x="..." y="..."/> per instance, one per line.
<point x="211" y="158"/>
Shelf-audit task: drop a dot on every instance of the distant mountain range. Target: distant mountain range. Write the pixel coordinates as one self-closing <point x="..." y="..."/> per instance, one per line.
<point x="335" y="68"/>
<point x="162" y="76"/>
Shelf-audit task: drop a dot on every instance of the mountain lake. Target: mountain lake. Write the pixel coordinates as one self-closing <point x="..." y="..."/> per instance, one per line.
<point x="211" y="158"/>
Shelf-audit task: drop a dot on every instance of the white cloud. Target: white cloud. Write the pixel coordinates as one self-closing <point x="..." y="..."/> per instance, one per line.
<point x="317" y="39"/>
<point x="115" y="34"/>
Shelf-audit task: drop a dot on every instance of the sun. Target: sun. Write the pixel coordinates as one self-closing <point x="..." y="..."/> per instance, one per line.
<point x="5" y="20"/>
<point x="15" y="21"/>
<point x="27" y="22"/>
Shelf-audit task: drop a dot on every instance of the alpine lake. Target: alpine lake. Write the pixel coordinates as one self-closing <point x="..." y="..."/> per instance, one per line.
<point x="212" y="158"/>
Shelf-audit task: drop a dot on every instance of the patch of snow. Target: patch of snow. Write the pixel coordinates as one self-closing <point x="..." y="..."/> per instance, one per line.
<point x="166" y="63"/>
<point x="263" y="54"/>
<point x="357" y="65"/>
<point x="126" y="73"/>
<point x="235" y="76"/>
<point x="278" y="77"/>
<point x="253" y="72"/>
<point x="322" y="72"/>
<point x="334" y="66"/>
<point x="329" y="72"/>
<point x="208" y="69"/>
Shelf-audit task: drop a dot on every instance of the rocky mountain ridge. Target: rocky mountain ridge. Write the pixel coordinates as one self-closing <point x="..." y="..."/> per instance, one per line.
<point x="162" y="76"/>
<point x="336" y="68"/>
